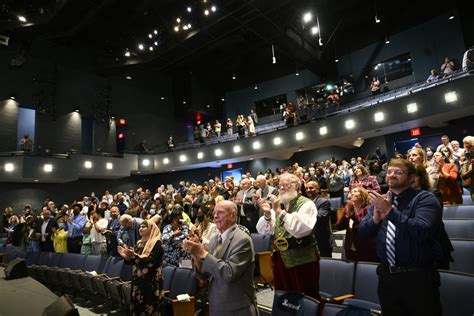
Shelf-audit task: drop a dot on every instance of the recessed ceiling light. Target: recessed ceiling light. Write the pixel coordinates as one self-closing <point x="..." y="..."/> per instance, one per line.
<point x="88" y="164"/>
<point x="109" y="166"/>
<point x="206" y="12"/>
<point x="222" y="99"/>
<point x="182" y="158"/>
<point x="178" y="20"/>
<point x="379" y="116"/>
<point x="412" y="108"/>
<point x="213" y="8"/>
<point x="323" y="130"/>
<point x="307" y="17"/>
<point x="277" y="141"/>
<point x="189" y="9"/>
<point x="9" y="167"/>
<point x="155" y="31"/>
<point x="451" y="97"/>
<point x="176" y="28"/>
<point x="155" y="43"/>
<point x="162" y="98"/>
<point x="22" y="19"/>
<point x="128" y="77"/>
<point x="218" y="152"/>
<point x="314" y="30"/>
<point x="141" y="47"/>
<point x="166" y="161"/>
<point x="150" y="36"/>
<point x="299" y="136"/>
<point x="200" y="155"/>
<point x="184" y="102"/>
<point x="350" y="124"/>
<point x="48" y="167"/>
<point x="146" y="162"/>
<point x="237" y="149"/>
<point x="256" y="145"/>
<point x="150" y="48"/>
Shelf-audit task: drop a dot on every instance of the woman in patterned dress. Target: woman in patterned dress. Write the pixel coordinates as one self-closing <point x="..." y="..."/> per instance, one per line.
<point x="147" y="280"/>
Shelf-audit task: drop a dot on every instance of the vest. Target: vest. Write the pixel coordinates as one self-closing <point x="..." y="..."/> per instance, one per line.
<point x="296" y="256"/>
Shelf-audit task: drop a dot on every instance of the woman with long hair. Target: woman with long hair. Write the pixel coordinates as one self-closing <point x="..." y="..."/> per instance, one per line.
<point x="362" y="178"/>
<point x="418" y="157"/>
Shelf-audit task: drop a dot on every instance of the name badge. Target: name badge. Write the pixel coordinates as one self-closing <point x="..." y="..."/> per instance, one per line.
<point x="281" y="244"/>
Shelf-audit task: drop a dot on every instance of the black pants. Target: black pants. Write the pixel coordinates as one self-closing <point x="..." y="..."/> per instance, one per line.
<point x="414" y="293"/>
<point x="74" y="244"/>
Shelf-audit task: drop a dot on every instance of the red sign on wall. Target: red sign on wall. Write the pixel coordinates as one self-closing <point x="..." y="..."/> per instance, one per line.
<point x="415" y="132"/>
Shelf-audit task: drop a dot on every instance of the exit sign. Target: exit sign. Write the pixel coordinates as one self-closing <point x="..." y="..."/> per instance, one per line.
<point x="415" y="132"/>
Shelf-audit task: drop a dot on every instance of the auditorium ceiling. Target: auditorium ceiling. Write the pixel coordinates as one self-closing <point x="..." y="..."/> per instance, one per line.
<point x="215" y="38"/>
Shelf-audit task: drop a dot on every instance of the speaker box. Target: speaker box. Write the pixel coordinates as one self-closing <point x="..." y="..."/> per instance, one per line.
<point x="16" y="269"/>
<point x="61" y="307"/>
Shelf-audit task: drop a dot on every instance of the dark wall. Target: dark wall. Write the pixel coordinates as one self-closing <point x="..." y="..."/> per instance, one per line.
<point x="60" y="79"/>
<point x="9" y="125"/>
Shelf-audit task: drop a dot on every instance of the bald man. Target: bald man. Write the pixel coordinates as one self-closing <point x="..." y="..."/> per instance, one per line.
<point x="230" y="263"/>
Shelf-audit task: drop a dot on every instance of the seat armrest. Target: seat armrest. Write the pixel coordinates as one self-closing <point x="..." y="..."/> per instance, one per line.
<point x="341" y="298"/>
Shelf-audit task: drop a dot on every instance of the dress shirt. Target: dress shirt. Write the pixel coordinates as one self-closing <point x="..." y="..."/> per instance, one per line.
<point x="75" y="228"/>
<point x="416" y="219"/>
<point x="298" y="224"/>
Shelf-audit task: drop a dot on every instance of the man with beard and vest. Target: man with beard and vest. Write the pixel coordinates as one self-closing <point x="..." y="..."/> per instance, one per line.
<point x="296" y="256"/>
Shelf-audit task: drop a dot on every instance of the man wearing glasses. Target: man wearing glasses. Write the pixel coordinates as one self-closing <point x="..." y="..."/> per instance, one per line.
<point x="405" y="222"/>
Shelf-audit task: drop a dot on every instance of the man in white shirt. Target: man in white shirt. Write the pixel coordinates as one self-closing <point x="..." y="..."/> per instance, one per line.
<point x="99" y="225"/>
<point x="457" y="150"/>
<point x="444" y="143"/>
<point x="296" y="255"/>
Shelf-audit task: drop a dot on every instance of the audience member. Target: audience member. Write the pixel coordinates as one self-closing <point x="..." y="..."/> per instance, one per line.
<point x="217" y="128"/>
<point x="170" y="143"/>
<point x="59" y="236"/>
<point x="467" y="173"/>
<point x="363" y="179"/>
<point x="447" y="173"/>
<point x="230" y="263"/>
<point x="129" y="230"/>
<point x="229" y="125"/>
<point x="86" y="246"/>
<point x="173" y="236"/>
<point x="147" y="281"/>
<point x="26" y="144"/>
<point x="74" y="226"/>
<point x="468" y="59"/>
<point x="356" y="208"/>
<point x="296" y="257"/>
<point x="433" y="76"/>
<point x="250" y="126"/>
<point x="375" y="86"/>
<point x="99" y="226"/>
<point x="404" y="223"/>
<point x="46" y="244"/>
<point x="248" y="212"/>
<point x="457" y="151"/>
<point x="447" y="68"/>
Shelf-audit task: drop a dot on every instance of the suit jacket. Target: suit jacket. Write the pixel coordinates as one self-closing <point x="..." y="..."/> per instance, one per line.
<point x="249" y="208"/>
<point x="322" y="230"/>
<point x="48" y="244"/>
<point x="231" y="273"/>
<point x="268" y="189"/>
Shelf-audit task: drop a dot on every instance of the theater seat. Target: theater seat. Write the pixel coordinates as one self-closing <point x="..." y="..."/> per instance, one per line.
<point x="456" y="293"/>
<point x="467" y="200"/>
<point x="114" y="286"/>
<point x="458" y="212"/>
<point x="310" y="306"/>
<point x="459" y="228"/>
<point x="44" y="258"/>
<point x="168" y="273"/>
<point x="336" y="279"/>
<point x="184" y="282"/>
<point x="365" y="287"/>
<point x="463" y="256"/>
<point x="41" y="271"/>
<point x="112" y="273"/>
<point x="87" y="282"/>
<point x="91" y="263"/>
<point x="263" y="257"/>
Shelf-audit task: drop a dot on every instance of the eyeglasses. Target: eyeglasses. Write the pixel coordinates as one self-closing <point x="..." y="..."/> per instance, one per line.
<point x="396" y="172"/>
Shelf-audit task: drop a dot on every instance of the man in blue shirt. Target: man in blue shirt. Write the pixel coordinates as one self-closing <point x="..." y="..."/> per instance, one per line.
<point x="405" y="222"/>
<point x="74" y="226"/>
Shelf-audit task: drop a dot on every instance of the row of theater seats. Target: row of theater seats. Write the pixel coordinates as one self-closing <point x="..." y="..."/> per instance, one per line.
<point x="355" y="284"/>
<point x="111" y="284"/>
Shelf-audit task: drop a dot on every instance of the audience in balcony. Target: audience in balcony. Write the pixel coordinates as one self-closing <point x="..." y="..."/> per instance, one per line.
<point x="433" y="76"/>
<point x="250" y="126"/>
<point x="468" y="59"/>
<point x="240" y="122"/>
<point x="356" y="208"/>
<point x="26" y="144"/>
<point x="217" y="128"/>
<point x="375" y="86"/>
<point x="229" y="125"/>
<point x="448" y="67"/>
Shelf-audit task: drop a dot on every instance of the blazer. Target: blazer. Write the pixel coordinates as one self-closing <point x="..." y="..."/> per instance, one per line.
<point x="322" y="230"/>
<point x="231" y="290"/>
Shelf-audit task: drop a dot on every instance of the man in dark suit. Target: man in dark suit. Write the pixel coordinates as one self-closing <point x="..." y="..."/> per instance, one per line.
<point x="200" y="200"/>
<point x="229" y="264"/>
<point x="247" y="210"/>
<point x="322" y="229"/>
<point x="46" y="244"/>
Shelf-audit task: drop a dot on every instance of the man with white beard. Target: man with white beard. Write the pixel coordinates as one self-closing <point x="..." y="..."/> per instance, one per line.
<point x="296" y="257"/>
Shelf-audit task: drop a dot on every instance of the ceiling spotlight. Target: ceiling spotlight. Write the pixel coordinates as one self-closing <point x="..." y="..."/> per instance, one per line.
<point x="208" y="106"/>
<point x="155" y="43"/>
<point x="22" y="19"/>
<point x="336" y="60"/>
<point x="387" y="40"/>
<point x="320" y="42"/>
<point x="12" y="97"/>
<point x="182" y="158"/>
<point x="176" y="28"/>
<point x="274" y="60"/>
<point x="189" y="9"/>
<point x="150" y="48"/>
<point x="451" y="97"/>
<point x="76" y="110"/>
<point x="127" y="53"/>
<point x="222" y="99"/>
<point x="166" y="161"/>
<point x="213" y="8"/>
<point x="237" y="149"/>
<point x="299" y="136"/>
<point x="323" y="130"/>
<point x="206" y="12"/>
<point x="109" y="166"/>
<point x="314" y="30"/>
<point x="379" y="116"/>
<point x="451" y="16"/>
<point x="88" y="164"/>
<point x="200" y="155"/>
<point x="233" y="76"/>
<point x="297" y="73"/>
<point x="377" y="20"/>
<point x="128" y="77"/>
<point x="150" y="36"/>
<point x="178" y="20"/>
<point x="189" y="25"/>
<point x="9" y="167"/>
<point x="277" y="141"/>
<point x="256" y="145"/>
<point x="412" y="108"/>
<point x="162" y="98"/>
<point x="184" y="102"/>
<point x="255" y="87"/>
<point x="307" y="17"/>
<point x="350" y="124"/>
<point x="48" y="167"/>
<point x="185" y="27"/>
<point x="155" y="31"/>
<point x="146" y="162"/>
<point x="218" y="152"/>
<point x="141" y="47"/>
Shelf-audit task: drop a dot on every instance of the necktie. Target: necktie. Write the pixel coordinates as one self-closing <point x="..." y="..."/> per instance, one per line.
<point x="218" y="249"/>
<point x="390" y="238"/>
